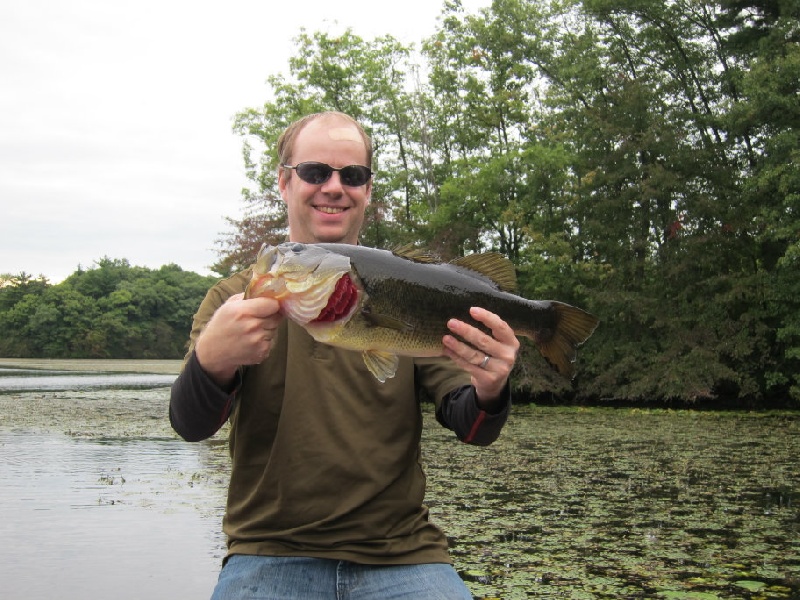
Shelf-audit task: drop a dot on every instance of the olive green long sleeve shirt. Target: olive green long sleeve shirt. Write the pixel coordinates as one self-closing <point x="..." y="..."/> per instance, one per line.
<point x="325" y="459"/>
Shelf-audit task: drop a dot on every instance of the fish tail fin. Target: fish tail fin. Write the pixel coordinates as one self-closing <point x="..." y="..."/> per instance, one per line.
<point x="559" y="345"/>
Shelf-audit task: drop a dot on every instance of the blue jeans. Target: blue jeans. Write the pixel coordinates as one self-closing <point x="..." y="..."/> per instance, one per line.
<point x="247" y="577"/>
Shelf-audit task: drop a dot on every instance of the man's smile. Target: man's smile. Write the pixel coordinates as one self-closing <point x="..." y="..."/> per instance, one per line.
<point x="331" y="210"/>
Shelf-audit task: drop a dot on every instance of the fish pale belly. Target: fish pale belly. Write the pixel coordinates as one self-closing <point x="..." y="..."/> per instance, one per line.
<point x="361" y="335"/>
<point x="381" y="350"/>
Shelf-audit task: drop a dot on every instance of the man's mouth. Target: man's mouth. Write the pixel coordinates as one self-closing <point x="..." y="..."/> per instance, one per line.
<point x="331" y="210"/>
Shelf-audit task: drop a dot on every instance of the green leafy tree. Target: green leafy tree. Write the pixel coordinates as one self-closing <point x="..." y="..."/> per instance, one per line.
<point x="14" y="287"/>
<point x="113" y="310"/>
<point x="635" y="158"/>
<point x="763" y="40"/>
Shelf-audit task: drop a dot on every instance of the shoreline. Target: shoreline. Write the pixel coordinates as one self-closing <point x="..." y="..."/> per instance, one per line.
<point x="111" y="365"/>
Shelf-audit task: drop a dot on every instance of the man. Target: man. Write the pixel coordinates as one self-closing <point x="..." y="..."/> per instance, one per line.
<point x="326" y="491"/>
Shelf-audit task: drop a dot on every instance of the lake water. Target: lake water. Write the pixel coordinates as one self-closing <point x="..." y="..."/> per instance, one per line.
<point x="104" y="518"/>
<point x="99" y="498"/>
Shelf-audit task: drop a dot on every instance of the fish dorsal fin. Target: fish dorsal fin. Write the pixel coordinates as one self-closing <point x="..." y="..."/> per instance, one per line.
<point x="420" y="255"/>
<point x="493" y="265"/>
<point x="383" y="365"/>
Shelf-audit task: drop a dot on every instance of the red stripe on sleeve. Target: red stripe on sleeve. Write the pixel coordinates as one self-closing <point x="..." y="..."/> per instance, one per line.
<point x="475" y="427"/>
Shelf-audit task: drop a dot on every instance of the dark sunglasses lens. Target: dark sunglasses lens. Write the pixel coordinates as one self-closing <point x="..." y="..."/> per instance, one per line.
<point x="314" y="173"/>
<point x="355" y="175"/>
<point x="318" y="173"/>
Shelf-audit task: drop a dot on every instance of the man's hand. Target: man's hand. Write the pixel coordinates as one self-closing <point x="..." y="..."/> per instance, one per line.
<point x="240" y="333"/>
<point x="487" y="358"/>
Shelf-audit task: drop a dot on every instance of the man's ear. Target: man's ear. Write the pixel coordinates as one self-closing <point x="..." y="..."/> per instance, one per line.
<point x="282" y="182"/>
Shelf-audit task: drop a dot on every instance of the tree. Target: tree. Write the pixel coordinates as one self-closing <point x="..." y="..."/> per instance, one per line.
<point x="763" y="37"/>
<point x="113" y="310"/>
<point x="639" y="159"/>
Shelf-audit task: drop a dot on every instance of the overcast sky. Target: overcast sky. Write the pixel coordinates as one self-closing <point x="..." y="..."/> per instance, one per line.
<point x="115" y="119"/>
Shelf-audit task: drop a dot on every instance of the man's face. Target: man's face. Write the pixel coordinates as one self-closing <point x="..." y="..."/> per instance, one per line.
<point x="330" y="211"/>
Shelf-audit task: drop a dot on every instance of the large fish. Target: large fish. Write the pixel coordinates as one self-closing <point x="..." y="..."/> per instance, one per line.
<point x="387" y="304"/>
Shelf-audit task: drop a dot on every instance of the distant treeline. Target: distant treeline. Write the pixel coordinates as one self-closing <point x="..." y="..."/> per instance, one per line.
<point x="113" y="310"/>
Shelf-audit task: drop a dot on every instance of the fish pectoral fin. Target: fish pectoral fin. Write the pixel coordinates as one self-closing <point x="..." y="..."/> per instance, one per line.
<point x="386" y="321"/>
<point x="383" y="365"/>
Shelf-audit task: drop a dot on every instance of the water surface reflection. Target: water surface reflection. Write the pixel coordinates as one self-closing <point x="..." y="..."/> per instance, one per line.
<point x="105" y="518"/>
<point x="15" y="380"/>
<point x="98" y="497"/>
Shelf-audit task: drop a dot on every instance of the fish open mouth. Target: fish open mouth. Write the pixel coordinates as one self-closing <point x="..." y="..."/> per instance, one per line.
<point x="340" y="302"/>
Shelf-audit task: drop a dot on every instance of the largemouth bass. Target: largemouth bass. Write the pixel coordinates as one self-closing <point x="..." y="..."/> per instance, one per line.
<point x="386" y="304"/>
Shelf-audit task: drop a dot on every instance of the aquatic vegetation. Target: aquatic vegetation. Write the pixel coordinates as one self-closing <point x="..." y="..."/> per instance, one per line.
<point x="623" y="503"/>
<point x="568" y="503"/>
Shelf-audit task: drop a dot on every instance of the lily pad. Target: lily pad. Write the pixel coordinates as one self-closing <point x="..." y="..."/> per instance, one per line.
<point x="752" y="586"/>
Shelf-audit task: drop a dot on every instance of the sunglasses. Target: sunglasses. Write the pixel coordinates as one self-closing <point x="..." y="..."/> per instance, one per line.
<point x="317" y="173"/>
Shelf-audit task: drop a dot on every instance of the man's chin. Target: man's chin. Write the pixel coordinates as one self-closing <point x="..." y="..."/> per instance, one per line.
<point x="335" y="235"/>
<point x="330" y="237"/>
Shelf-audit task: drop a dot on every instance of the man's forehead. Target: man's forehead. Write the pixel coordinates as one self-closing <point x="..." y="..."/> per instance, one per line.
<point x="344" y="134"/>
<point x="326" y="133"/>
<point x="334" y="129"/>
